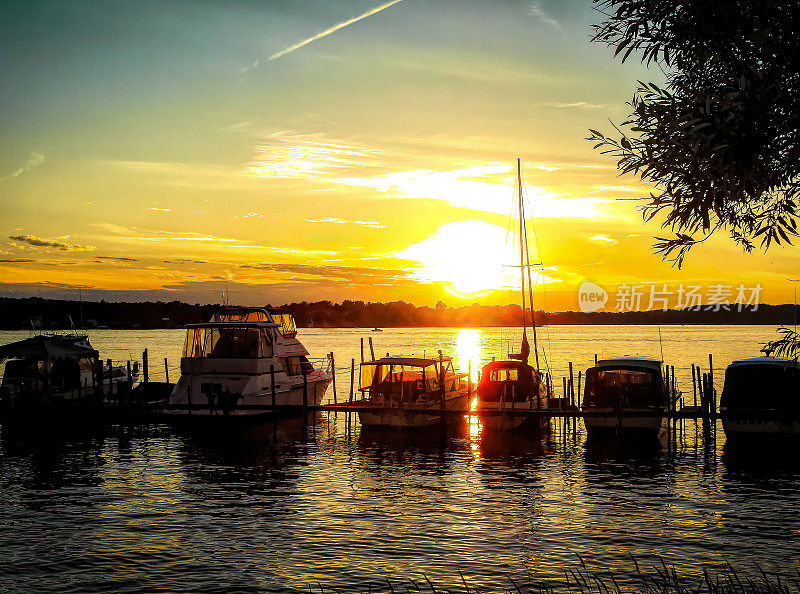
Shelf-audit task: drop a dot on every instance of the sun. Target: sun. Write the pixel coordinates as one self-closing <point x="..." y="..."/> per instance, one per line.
<point x="466" y="256"/>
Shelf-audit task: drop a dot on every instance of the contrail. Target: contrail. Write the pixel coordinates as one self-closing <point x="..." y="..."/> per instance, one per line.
<point x="325" y="33"/>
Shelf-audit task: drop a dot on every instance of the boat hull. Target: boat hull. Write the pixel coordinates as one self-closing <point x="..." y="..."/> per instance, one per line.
<point x="643" y="420"/>
<point x="287" y="402"/>
<point x="494" y="417"/>
<point x="411" y="416"/>
<point x="760" y="423"/>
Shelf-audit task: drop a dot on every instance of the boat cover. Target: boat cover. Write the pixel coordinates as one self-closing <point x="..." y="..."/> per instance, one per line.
<point x="42" y="348"/>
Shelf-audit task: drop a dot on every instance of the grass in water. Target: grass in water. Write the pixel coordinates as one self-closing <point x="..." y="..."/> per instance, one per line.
<point x="655" y="578"/>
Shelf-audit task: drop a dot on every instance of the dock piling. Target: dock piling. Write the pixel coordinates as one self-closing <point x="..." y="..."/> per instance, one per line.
<point x="333" y="372"/>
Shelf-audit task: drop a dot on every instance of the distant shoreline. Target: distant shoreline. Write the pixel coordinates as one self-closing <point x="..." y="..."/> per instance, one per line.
<point x="54" y="314"/>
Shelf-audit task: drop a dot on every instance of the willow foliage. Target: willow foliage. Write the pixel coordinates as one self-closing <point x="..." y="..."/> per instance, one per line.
<point x="720" y="140"/>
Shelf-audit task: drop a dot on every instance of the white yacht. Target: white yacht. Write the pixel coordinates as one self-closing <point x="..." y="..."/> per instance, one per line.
<point x="626" y="393"/>
<point x="245" y="362"/>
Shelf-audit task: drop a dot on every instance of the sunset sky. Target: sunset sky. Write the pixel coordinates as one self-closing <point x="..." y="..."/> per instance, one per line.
<point x="159" y="150"/>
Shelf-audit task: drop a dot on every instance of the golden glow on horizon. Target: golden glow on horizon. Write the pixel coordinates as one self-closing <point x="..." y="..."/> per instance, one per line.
<point x="376" y="163"/>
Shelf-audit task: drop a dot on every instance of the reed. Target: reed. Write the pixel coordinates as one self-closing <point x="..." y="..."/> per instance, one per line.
<point x="657" y="577"/>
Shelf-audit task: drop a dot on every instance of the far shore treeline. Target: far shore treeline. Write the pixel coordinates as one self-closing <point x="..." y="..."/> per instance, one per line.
<point x="52" y="314"/>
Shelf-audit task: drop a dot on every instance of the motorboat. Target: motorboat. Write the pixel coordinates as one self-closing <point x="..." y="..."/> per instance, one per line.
<point x="56" y="372"/>
<point x="513" y="383"/>
<point x="625" y="393"/>
<point x="411" y="392"/>
<point x="245" y="361"/>
<point x="509" y="385"/>
<point x="761" y="396"/>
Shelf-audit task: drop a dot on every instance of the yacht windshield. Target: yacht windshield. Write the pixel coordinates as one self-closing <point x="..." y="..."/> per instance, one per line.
<point x="623" y="387"/>
<point x="227" y="342"/>
<point x="241" y="316"/>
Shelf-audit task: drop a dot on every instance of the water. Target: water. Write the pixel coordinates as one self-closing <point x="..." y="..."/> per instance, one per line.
<point x="279" y="509"/>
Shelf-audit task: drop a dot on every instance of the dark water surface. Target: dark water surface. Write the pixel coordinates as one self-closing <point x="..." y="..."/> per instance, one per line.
<point x="280" y="508"/>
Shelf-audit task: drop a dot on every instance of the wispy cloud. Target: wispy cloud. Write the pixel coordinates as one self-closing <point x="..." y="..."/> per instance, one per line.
<point x="603" y="239"/>
<point x="116" y="258"/>
<point x="34" y="160"/>
<point x="161" y="209"/>
<point x="59" y="245"/>
<point x="372" y="224"/>
<point x="122" y="234"/>
<point x="543" y="16"/>
<point x="573" y="105"/>
<point x="322" y="34"/>
<point x="287" y="155"/>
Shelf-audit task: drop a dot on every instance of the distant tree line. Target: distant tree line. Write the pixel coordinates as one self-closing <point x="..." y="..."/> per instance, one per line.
<point x="50" y="314"/>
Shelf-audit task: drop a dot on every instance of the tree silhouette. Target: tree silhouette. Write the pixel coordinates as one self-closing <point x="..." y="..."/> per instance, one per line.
<point x="720" y="141"/>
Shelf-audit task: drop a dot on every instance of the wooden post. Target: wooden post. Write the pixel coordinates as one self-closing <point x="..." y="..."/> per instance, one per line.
<point x="564" y="399"/>
<point x="333" y="372"/>
<point x="166" y="370"/>
<point x="362" y="349"/>
<point x="694" y="386"/>
<point x="371" y="350"/>
<point x="595" y="359"/>
<point x="145" y="367"/>
<point x="272" y="386"/>
<point x="571" y="385"/>
<point x="469" y="384"/>
<point x="305" y="389"/>
<point x="110" y="364"/>
<point x="441" y="381"/>
<point x="674" y="391"/>
<point x="578" y="399"/>
<point x="712" y="396"/>
<point x="352" y="378"/>
<point x="130" y="378"/>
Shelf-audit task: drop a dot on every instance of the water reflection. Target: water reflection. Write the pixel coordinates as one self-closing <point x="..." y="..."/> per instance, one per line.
<point x="468" y="352"/>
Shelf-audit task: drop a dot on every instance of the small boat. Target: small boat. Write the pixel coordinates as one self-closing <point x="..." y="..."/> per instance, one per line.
<point x="377" y="330"/>
<point x="513" y="383"/>
<point x="57" y="373"/>
<point x="245" y="362"/>
<point x="625" y="393"/>
<point x="402" y="391"/>
<point x="761" y="396"/>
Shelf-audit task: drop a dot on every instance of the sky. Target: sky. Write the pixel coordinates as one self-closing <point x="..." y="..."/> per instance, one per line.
<point x="312" y="150"/>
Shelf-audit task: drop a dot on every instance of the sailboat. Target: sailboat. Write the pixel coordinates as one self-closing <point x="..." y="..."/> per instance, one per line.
<point x="513" y="383"/>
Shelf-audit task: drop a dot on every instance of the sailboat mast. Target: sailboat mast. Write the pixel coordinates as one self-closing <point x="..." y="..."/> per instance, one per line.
<point x="530" y="293"/>
<point x="522" y="260"/>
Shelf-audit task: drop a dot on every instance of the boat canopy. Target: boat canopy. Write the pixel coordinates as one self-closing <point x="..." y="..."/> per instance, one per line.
<point x="238" y="317"/>
<point x="228" y="340"/>
<point x="407" y="361"/>
<point x="761" y="383"/>
<point x="627" y="385"/>
<point x="242" y="314"/>
<point x="630" y="363"/>
<point x="511" y="381"/>
<point x="398" y="375"/>
<point x="44" y="348"/>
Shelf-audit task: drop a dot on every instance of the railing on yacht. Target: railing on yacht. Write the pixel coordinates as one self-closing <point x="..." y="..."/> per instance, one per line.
<point x="288" y="328"/>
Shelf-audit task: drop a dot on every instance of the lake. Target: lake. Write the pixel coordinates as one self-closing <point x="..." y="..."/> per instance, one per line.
<point x="287" y="506"/>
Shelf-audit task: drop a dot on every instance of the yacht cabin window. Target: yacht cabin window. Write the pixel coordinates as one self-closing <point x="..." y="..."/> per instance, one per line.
<point x="228" y="342"/>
